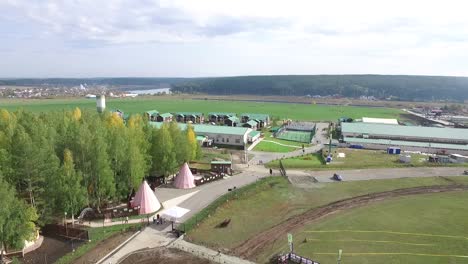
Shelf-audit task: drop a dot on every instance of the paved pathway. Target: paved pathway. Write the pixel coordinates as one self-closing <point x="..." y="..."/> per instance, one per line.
<point x="388" y="173"/>
<point x="207" y="253"/>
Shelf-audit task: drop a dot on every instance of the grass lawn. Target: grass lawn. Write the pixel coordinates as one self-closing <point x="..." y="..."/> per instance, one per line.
<point x="175" y="104"/>
<point x="96" y="235"/>
<point x="272" y="200"/>
<point x="427" y="229"/>
<point x="355" y="159"/>
<point x="272" y="147"/>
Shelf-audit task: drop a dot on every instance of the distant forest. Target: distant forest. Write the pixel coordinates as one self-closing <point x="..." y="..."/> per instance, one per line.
<point x="396" y="87"/>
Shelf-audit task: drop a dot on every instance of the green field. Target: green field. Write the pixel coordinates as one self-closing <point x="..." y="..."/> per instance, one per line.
<point x="354" y="159"/>
<point x="270" y="201"/>
<point x="176" y="104"/>
<point x="427" y="229"/>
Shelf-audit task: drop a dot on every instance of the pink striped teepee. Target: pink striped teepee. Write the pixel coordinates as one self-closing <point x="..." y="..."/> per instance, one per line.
<point x="146" y="199"/>
<point x="184" y="179"/>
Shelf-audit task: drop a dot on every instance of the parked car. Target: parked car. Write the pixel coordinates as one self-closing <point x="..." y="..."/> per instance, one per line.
<point x="337" y="177"/>
<point x="465" y="172"/>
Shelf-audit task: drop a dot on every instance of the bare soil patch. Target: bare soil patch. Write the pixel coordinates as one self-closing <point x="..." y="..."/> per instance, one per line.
<point x="163" y="255"/>
<point x="253" y="246"/>
<point x="52" y="249"/>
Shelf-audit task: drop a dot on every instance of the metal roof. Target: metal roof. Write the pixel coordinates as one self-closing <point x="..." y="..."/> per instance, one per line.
<point x="166" y="115"/>
<point x="202" y="129"/>
<point x="233" y="118"/>
<point x="408" y="131"/>
<point x="252" y="123"/>
<point x="254" y="133"/>
<point x="189" y="113"/>
<point x="220" y="162"/>
<point x="262" y="117"/>
<point x="405" y="143"/>
<point x="152" y="112"/>
<point x="222" y="114"/>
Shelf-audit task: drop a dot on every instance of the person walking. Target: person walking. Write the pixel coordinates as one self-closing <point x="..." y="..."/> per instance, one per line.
<point x="271" y="172"/>
<point x="126" y="219"/>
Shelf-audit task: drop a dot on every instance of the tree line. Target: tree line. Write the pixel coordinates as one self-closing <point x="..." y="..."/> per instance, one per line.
<point x="396" y="87"/>
<point x="57" y="162"/>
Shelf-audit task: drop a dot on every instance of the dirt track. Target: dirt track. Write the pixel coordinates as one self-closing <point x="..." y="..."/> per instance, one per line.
<point x="253" y="246"/>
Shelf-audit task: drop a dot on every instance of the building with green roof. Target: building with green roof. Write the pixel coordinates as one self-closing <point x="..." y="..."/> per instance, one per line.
<point x="218" y="135"/>
<point x="453" y="139"/>
<point x="263" y="120"/>
<point x="152" y="115"/>
<point x="219" y="117"/>
<point x="166" y="117"/>
<point x="194" y="117"/>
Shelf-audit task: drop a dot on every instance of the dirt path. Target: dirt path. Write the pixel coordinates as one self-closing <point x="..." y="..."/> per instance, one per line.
<point x="253" y="246"/>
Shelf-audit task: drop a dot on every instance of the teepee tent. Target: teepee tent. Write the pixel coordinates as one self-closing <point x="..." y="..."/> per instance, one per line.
<point x="184" y="179"/>
<point x="146" y="199"/>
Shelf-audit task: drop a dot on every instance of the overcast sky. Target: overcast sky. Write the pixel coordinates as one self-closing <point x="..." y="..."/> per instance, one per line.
<point x="151" y="38"/>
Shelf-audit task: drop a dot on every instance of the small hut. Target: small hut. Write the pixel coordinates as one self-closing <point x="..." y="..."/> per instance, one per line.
<point x="184" y="179"/>
<point x="146" y="199"/>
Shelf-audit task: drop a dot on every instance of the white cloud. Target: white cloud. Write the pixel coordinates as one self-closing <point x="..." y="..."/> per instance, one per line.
<point x="398" y="33"/>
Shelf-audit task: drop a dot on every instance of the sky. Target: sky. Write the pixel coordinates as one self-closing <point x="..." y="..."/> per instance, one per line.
<point x="194" y="38"/>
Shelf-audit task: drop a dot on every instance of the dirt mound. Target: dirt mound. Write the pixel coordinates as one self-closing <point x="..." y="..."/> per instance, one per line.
<point x="163" y="256"/>
<point x="253" y="246"/>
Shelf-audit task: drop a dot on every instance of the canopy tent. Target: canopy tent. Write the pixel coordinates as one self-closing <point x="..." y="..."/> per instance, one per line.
<point x="146" y="199"/>
<point x="184" y="179"/>
<point x="174" y="213"/>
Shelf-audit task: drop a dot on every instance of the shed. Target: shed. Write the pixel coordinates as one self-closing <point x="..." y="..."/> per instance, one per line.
<point x="222" y="166"/>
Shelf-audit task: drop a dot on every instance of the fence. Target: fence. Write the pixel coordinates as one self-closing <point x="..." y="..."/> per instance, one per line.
<point x="293" y="257"/>
<point x="282" y="170"/>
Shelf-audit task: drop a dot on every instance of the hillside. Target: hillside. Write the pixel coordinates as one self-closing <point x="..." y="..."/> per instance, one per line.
<point x="397" y="87"/>
<point x="379" y="86"/>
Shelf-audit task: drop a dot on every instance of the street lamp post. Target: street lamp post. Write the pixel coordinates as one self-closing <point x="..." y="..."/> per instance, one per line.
<point x="65" y="223"/>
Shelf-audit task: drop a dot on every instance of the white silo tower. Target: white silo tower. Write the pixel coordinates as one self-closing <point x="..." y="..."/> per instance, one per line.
<point x="101" y="103"/>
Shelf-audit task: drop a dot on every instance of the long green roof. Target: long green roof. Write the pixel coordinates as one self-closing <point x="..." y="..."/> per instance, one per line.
<point x="262" y="117"/>
<point x="152" y="112"/>
<point x="405" y="143"/>
<point x="166" y="115"/>
<point x="410" y="131"/>
<point x="222" y="113"/>
<point x="202" y="129"/>
<point x="254" y="133"/>
<point x="252" y="123"/>
<point x="189" y="113"/>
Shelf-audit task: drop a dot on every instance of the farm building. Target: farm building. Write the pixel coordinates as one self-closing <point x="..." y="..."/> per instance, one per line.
<point x="253" y="136"/>
<point x="251" y="124"/>
<point x="219" y="117"/>
<point x="222" y="166"/>
<point x="232" y="121"/>
<point x="166" y="117"/>
<point x="194" y="117"/>
<point x="428" y="139"/>
<point x="152" y="115"/>
<point x="218" y="135"/>
<point x="263" y="120"/>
